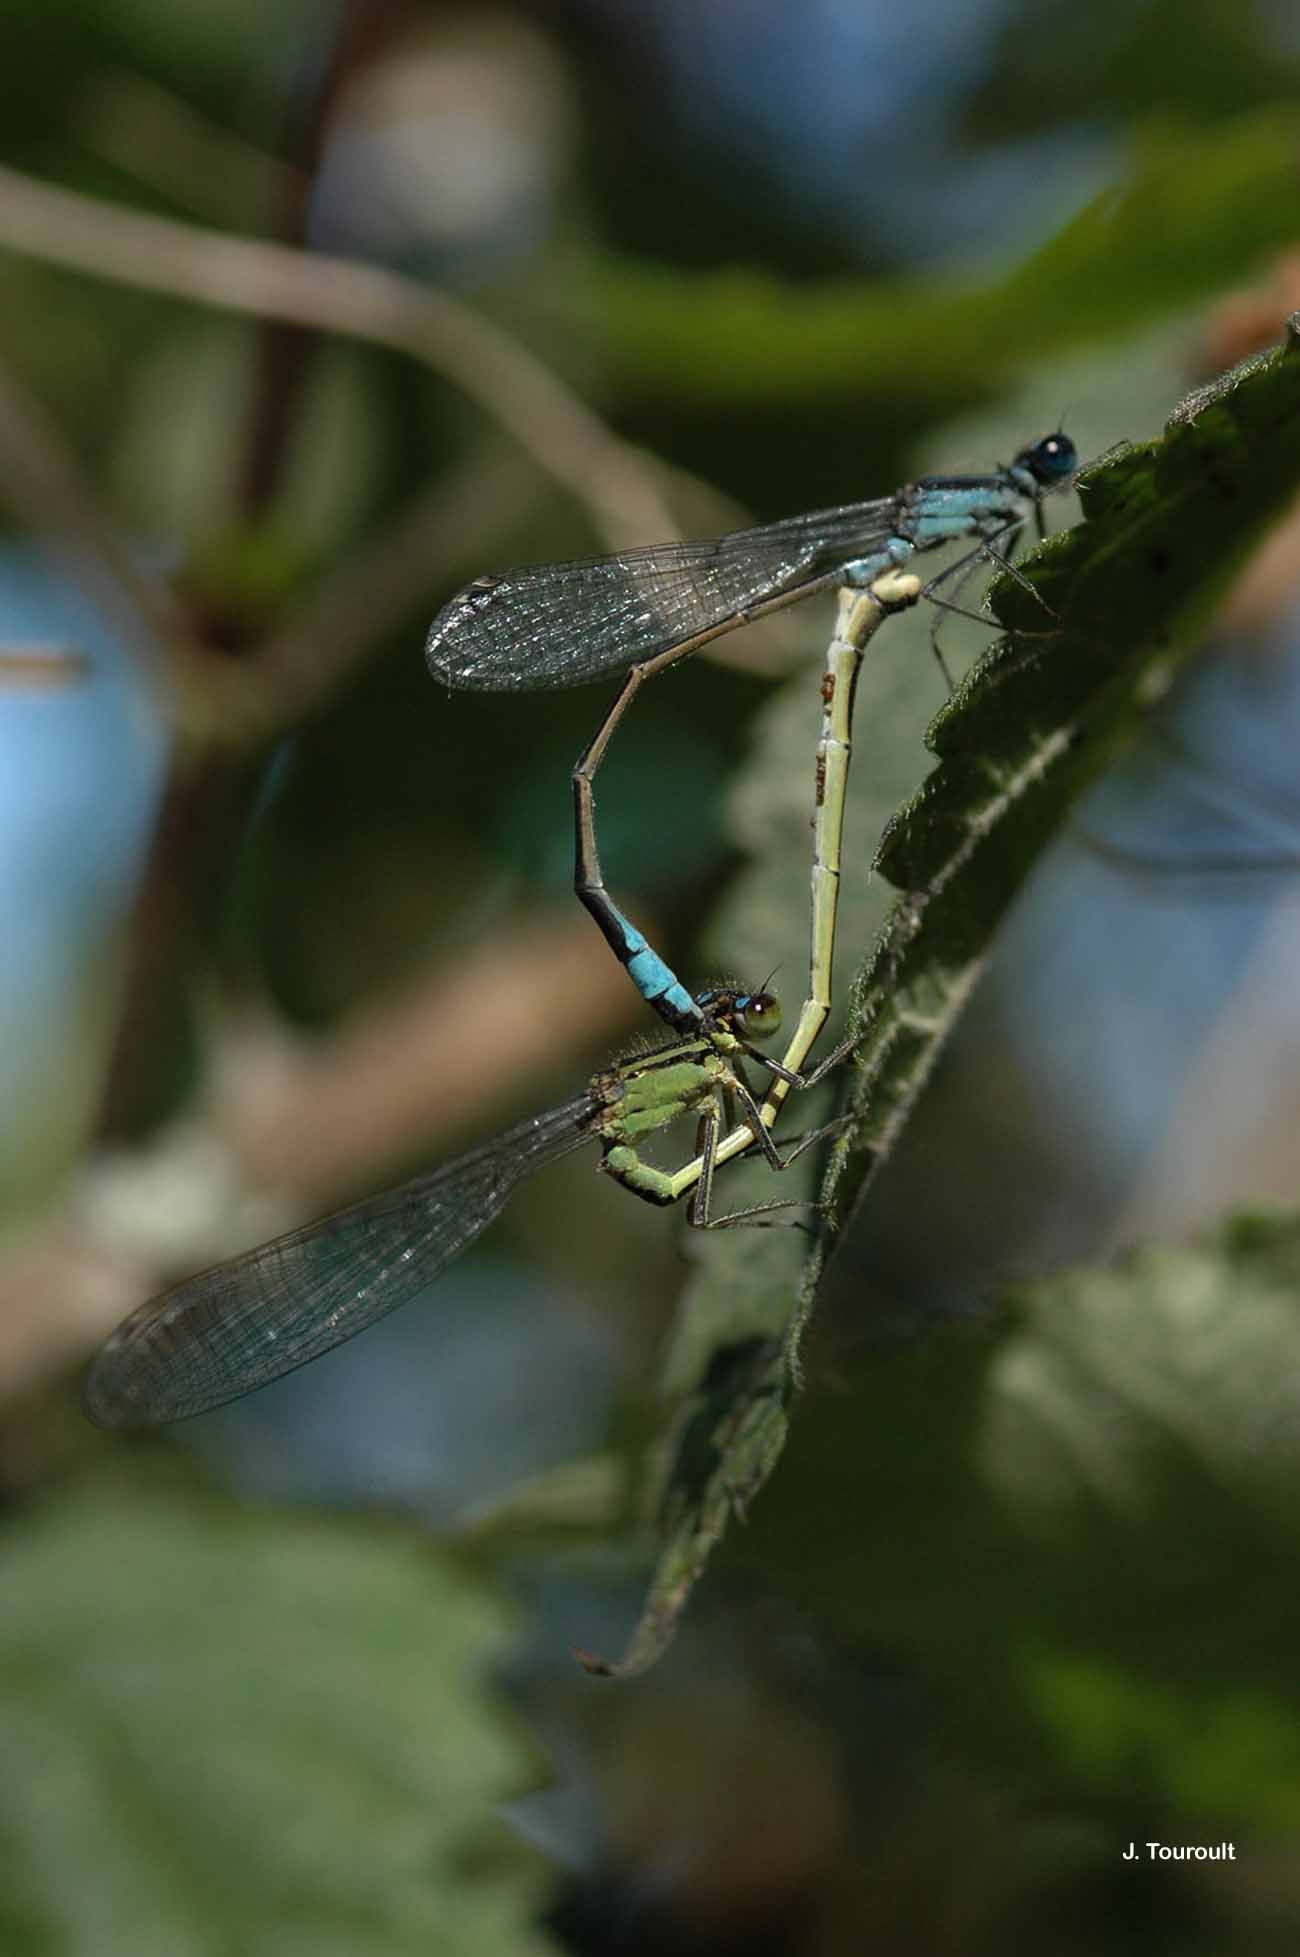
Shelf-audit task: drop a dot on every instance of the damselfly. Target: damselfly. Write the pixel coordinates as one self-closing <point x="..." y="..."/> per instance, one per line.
<point x="238" y="1326"/>
<point x="639" y="611"/>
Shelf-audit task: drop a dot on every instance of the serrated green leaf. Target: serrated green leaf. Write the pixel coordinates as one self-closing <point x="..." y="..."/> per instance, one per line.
<point x="1185" y="1349"/>
<point x="1079" y="1524"/>
<point x="1035" y="721"/>
<point x="1166" y="526"/>
<point x="1148" y="1416"/>
<point x="224" y="1731"/>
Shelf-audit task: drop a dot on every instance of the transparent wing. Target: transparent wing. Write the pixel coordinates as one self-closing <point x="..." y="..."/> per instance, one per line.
<point x="1211" y="876"/>
<point x="244" y="1323"/>
<point x="553" y="625"/>
<point x="1188" y="828"/>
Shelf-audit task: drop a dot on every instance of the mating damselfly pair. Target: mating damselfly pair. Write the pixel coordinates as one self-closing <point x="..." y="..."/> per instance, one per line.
<point x="244" y="1323"/>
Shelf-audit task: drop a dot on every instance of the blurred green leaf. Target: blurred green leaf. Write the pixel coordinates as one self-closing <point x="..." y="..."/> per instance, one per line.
<point x="1056" y="62"/>
<point x="175" y="468"/>
<point x="223" y="1730"/>
<point x="1198" y="208"/>
<point x="1082" y="1524"/>
<point x="1031" y="726"/>
<point x="1149" y="1415"/>
<point x="1176" y="1352"/>
<point x="1225" y="1754"/>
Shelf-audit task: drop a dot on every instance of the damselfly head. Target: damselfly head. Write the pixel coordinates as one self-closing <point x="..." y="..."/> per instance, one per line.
<point x="1051" y="460"/>
<point x="758" y="1014"/>
<point x="751" y="1015"/>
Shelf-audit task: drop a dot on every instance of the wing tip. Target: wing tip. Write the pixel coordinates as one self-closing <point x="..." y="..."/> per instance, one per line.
<point x="456" y="665"/>
<point x="105" y="1405"/>
<point x="113" y="1391"/>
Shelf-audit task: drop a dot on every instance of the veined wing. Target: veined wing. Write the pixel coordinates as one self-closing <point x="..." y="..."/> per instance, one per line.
<point x="552" y="625"/>
<point x="1182" y="824"/>
<point x="246" y="1322"/>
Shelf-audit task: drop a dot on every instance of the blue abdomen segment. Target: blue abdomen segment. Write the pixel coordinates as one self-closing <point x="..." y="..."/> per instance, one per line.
<point x="892" y="555"/>
<point x="657" y="983"/>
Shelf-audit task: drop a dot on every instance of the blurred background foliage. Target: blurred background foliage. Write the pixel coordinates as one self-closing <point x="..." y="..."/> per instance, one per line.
<point x="306" y="316"/>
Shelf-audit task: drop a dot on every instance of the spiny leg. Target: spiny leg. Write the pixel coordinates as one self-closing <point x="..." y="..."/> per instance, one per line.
<point x="655" y="1096"/>
<point x="699" y="1209"/>
<point x="962" y="571"/>
<point x="964" y="568"/>
<point x="1001" y="561"/>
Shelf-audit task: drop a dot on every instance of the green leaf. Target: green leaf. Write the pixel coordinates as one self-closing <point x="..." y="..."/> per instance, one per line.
<point x="1080" y="1524"/>
<point x="1027" y="731"/>
<point x="1166" y="526"/>
<point x="1185" y="1351"/>
<point x="224" y="1731"/>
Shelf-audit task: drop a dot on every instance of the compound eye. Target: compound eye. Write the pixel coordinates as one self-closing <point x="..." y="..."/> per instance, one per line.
<point x="759" y="1013"/>
<point x="1054" y="458"/>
